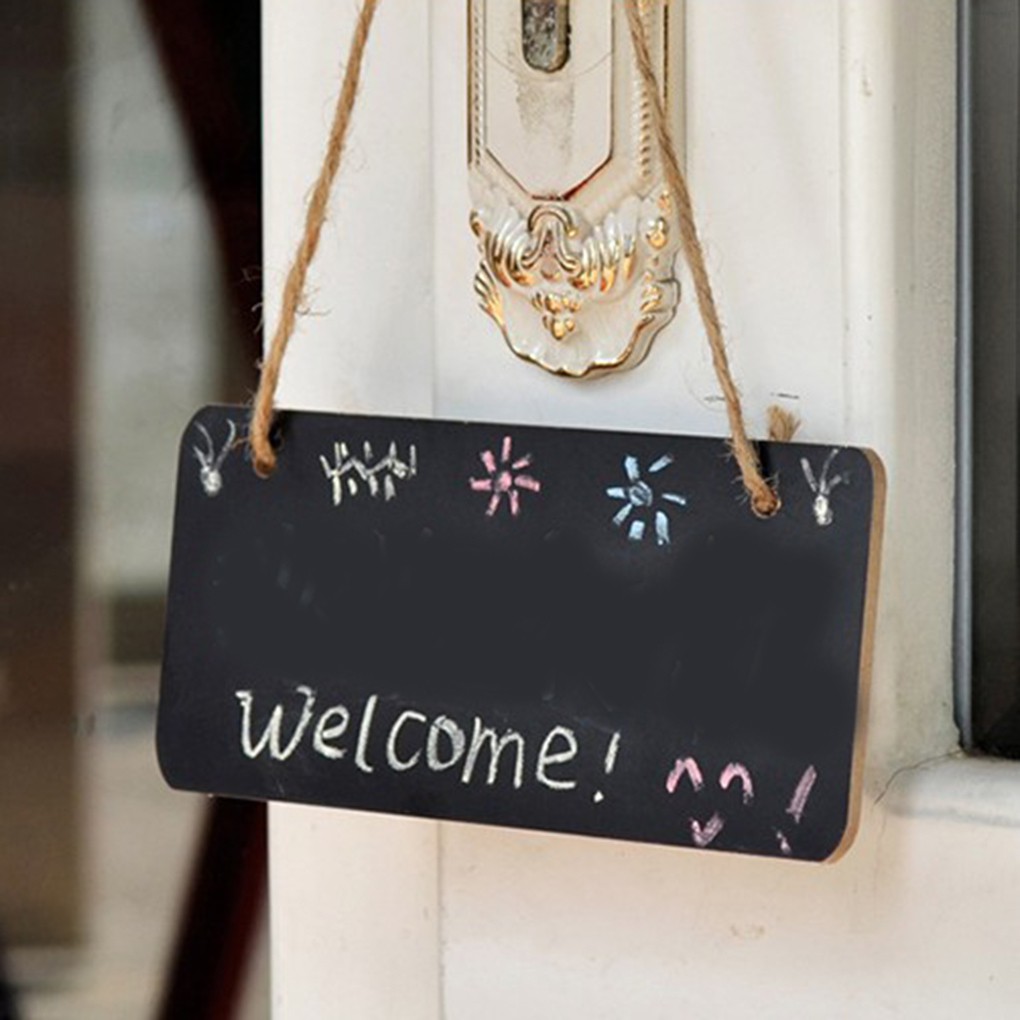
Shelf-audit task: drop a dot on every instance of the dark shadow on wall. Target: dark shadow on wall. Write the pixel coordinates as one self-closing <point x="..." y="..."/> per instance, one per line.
<point x="211" y="55"/>
<point x="40" y="844"/>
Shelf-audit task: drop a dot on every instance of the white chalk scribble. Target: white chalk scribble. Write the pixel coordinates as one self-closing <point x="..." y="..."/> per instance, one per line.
<point x="642" y="503"/>
<point x="211" y="462"/>
<point x="351" y="473"/>
<point x="822" y="487"/>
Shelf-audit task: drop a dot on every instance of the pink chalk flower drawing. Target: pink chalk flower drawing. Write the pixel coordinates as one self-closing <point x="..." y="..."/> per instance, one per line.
<point x="506" y="480"/>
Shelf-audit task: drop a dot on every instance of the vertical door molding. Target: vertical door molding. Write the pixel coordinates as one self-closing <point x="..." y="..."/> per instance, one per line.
<point x="353" y="897"/>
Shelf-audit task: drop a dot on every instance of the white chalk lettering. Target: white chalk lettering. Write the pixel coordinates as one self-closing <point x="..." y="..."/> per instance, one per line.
<point x="271" y="734"/>
<point x="491" y="755"/>
<point x="364" y="731"/>
<point x="483" y="735"/>
<point x="444" y="724"/>
<point x="397" y="763"/>
<point x="547" y="757"/>
<point x="325" y="732"/>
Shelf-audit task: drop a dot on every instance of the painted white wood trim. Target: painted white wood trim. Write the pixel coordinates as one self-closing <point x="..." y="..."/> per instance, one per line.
<point x="821" y="156"/>
<point x="354" y="898"/>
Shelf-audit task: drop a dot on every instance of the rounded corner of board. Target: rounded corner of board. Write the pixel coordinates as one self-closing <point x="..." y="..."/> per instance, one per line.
<point x="842" y="848"/>
<point x="851" y="830"/>
<point x="165" y="763"/>
<point x="878" y="472"/>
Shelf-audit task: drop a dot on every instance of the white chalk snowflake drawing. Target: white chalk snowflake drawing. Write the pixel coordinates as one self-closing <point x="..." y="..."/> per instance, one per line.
<point x="350" y="473"/>
<point x="211" y="462"/>
<point x="822" y="488"/>
<point x="505" y="480"/>
<point x="642" y="503"/>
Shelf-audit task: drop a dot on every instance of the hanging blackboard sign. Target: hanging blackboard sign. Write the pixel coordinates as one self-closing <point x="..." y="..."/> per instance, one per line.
<point x="557" y="629"/>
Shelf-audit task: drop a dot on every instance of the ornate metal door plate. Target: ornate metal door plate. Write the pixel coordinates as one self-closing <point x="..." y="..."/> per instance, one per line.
<point x="573" y="222"/>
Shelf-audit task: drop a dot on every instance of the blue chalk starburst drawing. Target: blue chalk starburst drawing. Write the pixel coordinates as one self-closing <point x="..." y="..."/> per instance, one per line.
<point x="642" y="503"/>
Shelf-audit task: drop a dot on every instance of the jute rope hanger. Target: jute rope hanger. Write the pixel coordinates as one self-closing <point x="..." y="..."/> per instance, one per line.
<point x="263" y="454"/>
<point x="764" y="500"/>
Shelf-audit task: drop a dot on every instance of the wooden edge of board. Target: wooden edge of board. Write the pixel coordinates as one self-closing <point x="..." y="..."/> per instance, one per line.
<point x="879" y="489"/>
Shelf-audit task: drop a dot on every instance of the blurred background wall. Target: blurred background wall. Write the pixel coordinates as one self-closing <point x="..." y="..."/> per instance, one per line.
<point x="130" y="289"/>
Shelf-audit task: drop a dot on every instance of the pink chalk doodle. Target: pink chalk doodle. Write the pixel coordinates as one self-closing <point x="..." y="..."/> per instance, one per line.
<point x="691" y="768"/>
<point x="800" y="796"/>
<point x="505" y="479"/>
<point x="737" y="771"/>
<point x="798" y="802"/>
<point x="704" y="835"/>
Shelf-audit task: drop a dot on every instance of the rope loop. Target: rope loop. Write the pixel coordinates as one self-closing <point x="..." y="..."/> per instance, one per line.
<point x="764" y="500"/>
<point x="263" y="454"/>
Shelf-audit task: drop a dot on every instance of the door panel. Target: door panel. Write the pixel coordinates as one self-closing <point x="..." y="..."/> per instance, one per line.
<point x="819" y="145"/>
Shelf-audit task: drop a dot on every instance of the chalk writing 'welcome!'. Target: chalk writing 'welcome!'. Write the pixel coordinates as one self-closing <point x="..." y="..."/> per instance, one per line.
<point x="477" y="753"/>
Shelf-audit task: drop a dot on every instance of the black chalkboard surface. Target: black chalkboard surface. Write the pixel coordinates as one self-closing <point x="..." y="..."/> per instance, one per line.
<point x="580" y="631"/>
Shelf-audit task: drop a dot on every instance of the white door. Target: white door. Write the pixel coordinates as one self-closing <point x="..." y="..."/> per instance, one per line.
<point x="819" y="138"/>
